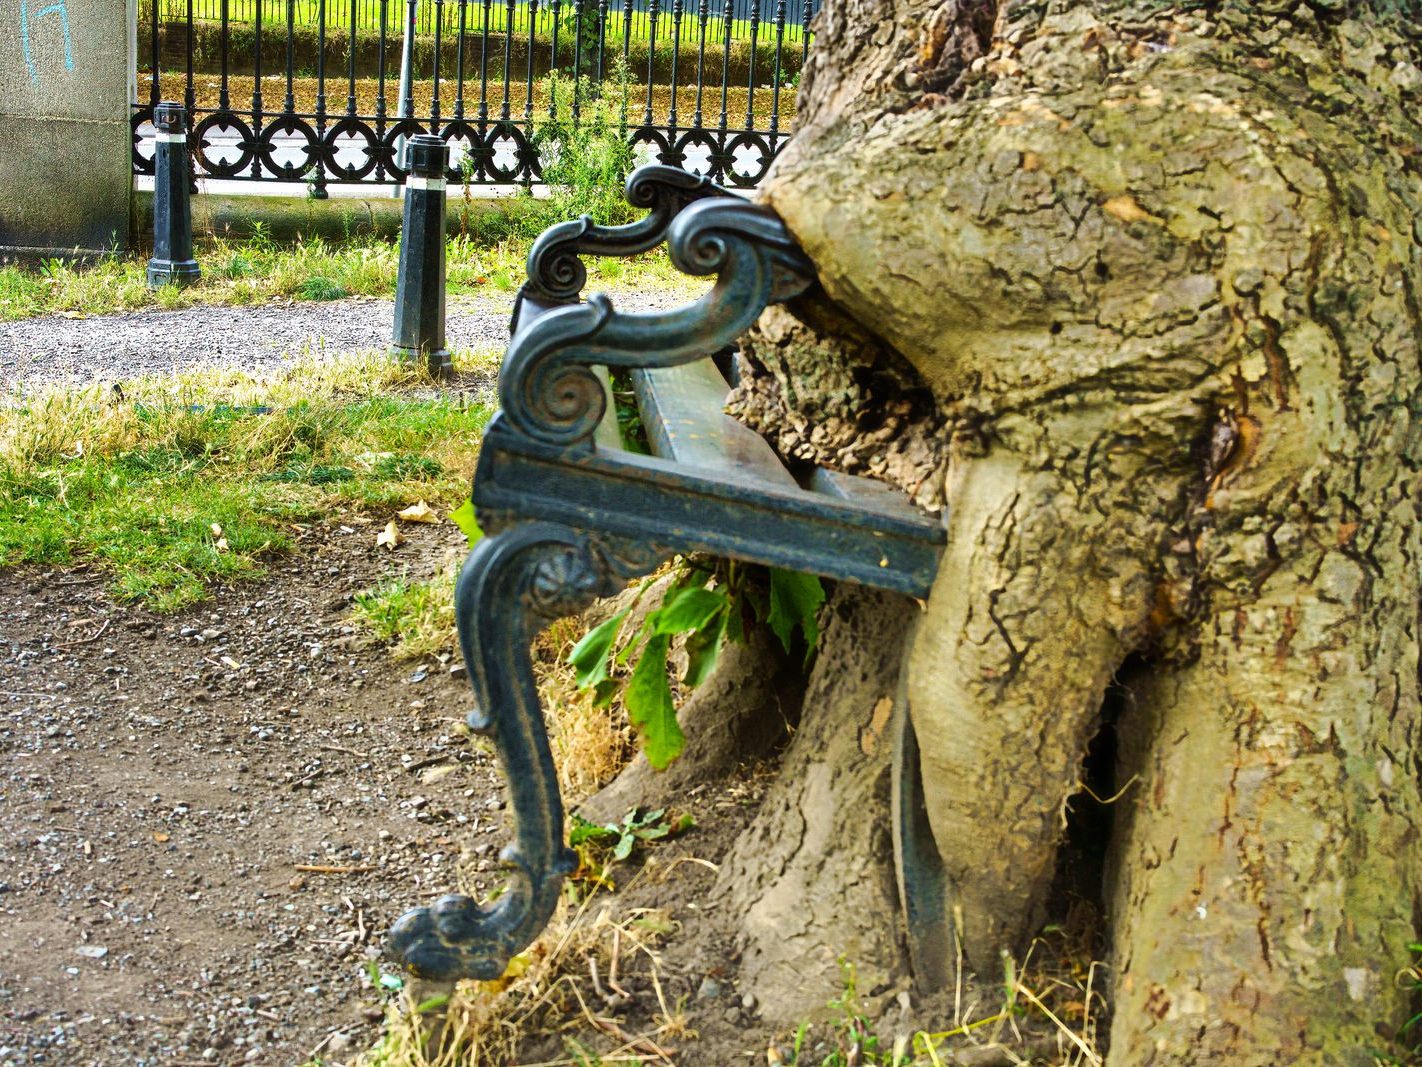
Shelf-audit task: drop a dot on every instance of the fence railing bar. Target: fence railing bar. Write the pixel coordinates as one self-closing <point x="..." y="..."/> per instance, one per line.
<point x="318" y="187"/>
<point x="459" y="64"/>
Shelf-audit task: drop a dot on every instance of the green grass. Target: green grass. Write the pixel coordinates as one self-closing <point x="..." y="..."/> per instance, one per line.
<point x="182" y="483"/>
<point x="416" y="617"/>
<point x="256" y="271"/>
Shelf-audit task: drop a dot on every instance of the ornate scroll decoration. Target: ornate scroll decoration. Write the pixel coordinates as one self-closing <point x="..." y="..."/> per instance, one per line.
<point x="513" y="583"/>
<point x="546" y="387"/>
<point x="556" y="274"/>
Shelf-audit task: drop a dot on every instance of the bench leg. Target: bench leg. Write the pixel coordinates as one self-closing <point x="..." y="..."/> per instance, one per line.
<point x="918" y="865"/>
<point x="512" y="585"/>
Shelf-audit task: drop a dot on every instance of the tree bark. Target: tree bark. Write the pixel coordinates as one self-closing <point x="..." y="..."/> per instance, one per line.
<point x="811" y="880"/>
<point x="1158" y="270"/>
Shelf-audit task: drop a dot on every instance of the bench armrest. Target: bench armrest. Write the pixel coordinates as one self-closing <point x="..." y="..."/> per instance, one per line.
<point x="556" y="274"/>
<point x="547" y="387"/>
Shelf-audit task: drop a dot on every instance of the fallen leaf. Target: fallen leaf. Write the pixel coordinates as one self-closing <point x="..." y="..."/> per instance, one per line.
<point x="72" y="314"/>
<point x="221" y="544"/>
<point x="434" y="774"/>
<point x="216" y="530"/>
<point x="159" y="836"/>
<point x="420" y="512"/>
<point x="231" y="663"/>
<point x="389" y="537"/>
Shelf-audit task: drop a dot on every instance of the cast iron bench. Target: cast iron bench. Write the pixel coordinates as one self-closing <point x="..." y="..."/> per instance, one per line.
<point x="569" y="515"/>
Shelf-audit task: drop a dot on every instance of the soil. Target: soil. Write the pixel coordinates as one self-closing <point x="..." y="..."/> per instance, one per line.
<point x="163" y="779"/>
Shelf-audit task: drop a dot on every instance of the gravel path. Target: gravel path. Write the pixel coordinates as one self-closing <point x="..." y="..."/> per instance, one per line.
<point x="53" y="348"/>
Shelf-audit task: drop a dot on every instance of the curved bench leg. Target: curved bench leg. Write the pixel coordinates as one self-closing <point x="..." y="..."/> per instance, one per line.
<point x="512" y="585"/>
<point x="922" y="885"/>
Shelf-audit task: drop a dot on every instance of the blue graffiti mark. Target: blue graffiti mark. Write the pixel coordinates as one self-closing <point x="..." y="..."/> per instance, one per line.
<point x="56" y="8"/>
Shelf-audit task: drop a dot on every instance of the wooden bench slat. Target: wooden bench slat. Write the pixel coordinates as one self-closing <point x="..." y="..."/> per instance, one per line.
<point x="608" y="434"/>
<point x="870" y="493"/>
<point x="682" y="412"/>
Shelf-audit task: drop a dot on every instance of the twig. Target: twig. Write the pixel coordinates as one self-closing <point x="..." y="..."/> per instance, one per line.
<point x="22" y="693"/>
<point x="640" y="1044"/>
<point x="347" y="751"/>
<point x="430" y="762"/>
<point x="78" y="581"/>
<point x="597" y="984"/>
<point x="321" y="868"/>
<point x="84" y="640"/>
<point x="616" y="959"/>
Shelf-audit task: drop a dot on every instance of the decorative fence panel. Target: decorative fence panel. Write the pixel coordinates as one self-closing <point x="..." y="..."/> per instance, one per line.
<point x="326" y="91"/>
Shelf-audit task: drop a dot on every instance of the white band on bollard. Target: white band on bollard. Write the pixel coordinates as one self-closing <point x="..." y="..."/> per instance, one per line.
<point x="416" y="181"/>
<point x="170" y="138"/>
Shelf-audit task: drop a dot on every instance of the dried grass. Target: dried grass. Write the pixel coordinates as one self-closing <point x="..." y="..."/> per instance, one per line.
<point x="1057" y="983"/>
<point x="567" y="981"/>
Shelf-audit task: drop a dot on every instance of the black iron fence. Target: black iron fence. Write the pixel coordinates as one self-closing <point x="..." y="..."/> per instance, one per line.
<point x="327" y="91"/>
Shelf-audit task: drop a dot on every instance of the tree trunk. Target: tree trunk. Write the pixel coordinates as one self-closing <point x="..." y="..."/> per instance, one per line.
<point x="1144" y="284"/>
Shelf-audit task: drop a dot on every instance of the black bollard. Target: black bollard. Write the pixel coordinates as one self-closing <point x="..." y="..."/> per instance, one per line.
<point x="172" y="209"/>
<point x="419" y="293"/>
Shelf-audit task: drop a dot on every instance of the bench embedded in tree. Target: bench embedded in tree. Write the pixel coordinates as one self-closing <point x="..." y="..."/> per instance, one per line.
<point x="569" y="515"/>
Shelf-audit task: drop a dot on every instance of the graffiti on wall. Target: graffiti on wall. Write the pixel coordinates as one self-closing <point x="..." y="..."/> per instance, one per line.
<point x="28" y="18"/>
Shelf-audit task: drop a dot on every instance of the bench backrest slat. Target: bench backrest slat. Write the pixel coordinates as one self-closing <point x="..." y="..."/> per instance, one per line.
<point x="682" y="411"/>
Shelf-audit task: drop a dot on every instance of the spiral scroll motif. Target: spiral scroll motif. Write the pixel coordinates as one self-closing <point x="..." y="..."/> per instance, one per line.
<point x="549" y="392"/>
<point x="557" y="275"/>
<point x="564" y="400"/>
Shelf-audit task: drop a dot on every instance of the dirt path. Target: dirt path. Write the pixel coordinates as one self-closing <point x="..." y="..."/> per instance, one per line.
<point x="161" y="779"/>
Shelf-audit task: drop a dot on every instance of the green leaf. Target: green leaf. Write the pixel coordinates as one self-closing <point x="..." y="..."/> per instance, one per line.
<point x="604" y="691"/>
<point x="703" y="649"/>
<point x="625" y="654"/>
<point x="794" y="600"/>
<point x="433" y="1003"/>
<point x="687" y="610"/>
<point x="583" y="831"/>
<point x="623" y="848"/>
<point x="463" y="517"/>
<point x="589" y="656"/>
<point x="649" y="704"/>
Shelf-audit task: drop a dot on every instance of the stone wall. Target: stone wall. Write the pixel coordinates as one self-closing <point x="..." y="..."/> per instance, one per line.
<point x="64" y="167"/>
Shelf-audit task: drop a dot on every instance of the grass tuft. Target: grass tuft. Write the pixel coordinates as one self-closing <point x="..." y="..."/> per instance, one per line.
<point x="552" y="987"/>
<point x="416" y="617"/>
